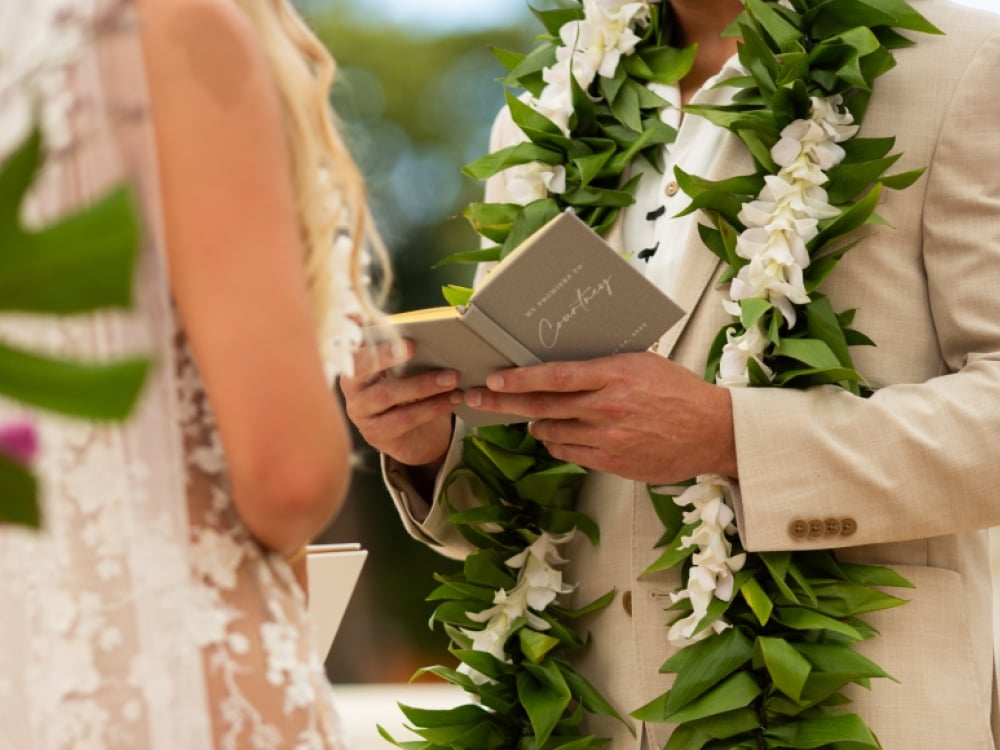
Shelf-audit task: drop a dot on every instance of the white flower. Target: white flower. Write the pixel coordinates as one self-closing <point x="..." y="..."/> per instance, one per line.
<point x="538" y="584"/>
<point x="833" y="118"/>
<point x="591" y="46"/>
<point x="713" y="564"/>
<point x="533" y="181"/>
<point x="736" y="355"/>
<point x="783" y="220"/>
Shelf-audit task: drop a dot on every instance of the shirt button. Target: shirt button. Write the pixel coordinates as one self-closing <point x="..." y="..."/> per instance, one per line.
<point x="671" y="189"/>
<point x="627" y="602"/>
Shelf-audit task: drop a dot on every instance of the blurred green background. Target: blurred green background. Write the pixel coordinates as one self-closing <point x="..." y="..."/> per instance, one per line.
<point x="416" y="98"/>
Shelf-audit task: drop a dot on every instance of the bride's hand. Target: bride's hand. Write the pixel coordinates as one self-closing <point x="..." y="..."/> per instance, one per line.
<point x="405" y="417"/>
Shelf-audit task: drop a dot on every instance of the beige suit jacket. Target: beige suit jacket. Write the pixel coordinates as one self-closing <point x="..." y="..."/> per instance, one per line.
<point x="914" y="470"/>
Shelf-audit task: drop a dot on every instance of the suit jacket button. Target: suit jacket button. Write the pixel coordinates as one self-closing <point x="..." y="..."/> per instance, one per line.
<point x="848" y="526"/>
<point x="798" y="529"/>
<point x="833" y="526"/>
<point x="627" y="602"/>
<point x="816" y="528"/>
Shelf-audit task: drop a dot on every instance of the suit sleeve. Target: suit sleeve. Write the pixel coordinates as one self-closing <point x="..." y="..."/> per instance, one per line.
<point x="915" y="460"/>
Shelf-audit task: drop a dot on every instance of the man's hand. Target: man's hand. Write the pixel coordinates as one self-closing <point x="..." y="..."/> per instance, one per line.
<point x="407" y="418"/>
<point x="640" y="416"/>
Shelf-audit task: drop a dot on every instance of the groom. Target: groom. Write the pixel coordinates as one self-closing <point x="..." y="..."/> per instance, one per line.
<point x="906" y="478"/>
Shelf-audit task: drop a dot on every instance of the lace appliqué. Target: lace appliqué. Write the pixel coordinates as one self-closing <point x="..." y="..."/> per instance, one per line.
<point x="268" y="685"/>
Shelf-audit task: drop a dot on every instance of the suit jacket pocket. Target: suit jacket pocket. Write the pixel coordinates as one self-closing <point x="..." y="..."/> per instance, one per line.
<point x="943" y="696"/>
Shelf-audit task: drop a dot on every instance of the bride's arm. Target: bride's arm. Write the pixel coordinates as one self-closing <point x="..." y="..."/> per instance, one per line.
<point x="237" y="267"/>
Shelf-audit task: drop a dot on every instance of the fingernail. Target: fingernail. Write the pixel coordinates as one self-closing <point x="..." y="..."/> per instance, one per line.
<point x="474" y="398"/>
<point x="455" y="398"/>
<point x="446" y="379"/>
<point x="495" y="382"/>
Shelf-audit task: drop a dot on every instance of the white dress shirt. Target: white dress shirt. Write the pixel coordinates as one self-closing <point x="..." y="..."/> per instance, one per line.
<point x="695" y="151"/>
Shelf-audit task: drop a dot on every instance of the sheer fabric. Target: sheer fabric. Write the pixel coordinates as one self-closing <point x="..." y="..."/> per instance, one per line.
<point x="143" y="615"/>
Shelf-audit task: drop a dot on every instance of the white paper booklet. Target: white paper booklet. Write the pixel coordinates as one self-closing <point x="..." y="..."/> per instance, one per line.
<point x="333" y="573"/>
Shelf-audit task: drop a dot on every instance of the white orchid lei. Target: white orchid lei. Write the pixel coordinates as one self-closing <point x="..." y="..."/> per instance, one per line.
<point x="764" y="640"/>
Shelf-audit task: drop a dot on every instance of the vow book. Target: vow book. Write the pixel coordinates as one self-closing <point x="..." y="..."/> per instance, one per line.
<point x="333" y="571"/>
<point x="563" y="294"/>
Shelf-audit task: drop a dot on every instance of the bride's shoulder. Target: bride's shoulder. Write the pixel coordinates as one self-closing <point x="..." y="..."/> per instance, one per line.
<point x="210" y="43"/>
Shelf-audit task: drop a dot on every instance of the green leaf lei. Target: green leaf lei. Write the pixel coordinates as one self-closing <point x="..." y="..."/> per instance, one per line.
<point x="771" y="657"/>
<point x="83" y="262"/>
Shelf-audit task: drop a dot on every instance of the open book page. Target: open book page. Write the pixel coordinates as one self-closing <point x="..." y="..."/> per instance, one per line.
<point x="333" y="573"/>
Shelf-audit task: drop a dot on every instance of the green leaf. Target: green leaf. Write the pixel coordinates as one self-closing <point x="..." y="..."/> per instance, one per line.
<point x="456" y="296"/>
<point x="727" y="725"/>
<point x="414" y="745"/>
<point x="486" y="568"/>
<point x="470" y="257"/>
<point x="508" y="58"/>
<point x="708" y="663"/>
<point x="852" y="219"/>
<point x="483" y="662"/>
<point x="459" y="590"/>
<point x="668" y="64"/>
<point x="19" y="504"/>
<point x="512" y="465"/>
<point x="671" y="515"/>
<point x="787" y="667"/>
<point x="595" y="606"/>
<point x="903" y="180"/>
<point x="589" y="696"/>
<point x="534" y="216"/>
<point x="542" y="486"/>
<point x="449" y="717"/>
<point x="534" y="645"/>
<point x="83" y="262"/>
<point x="91" y="391"/>
<point x="674" y="554"/>
<point x="545" y="696"/>
<point x="875" y="575"/>
<point x="847" y="599"/>
<point x="784" y="34"/>
<point x="812" y="352"/>
<point x="798" y="618"/>
<point x="840" y="659"/>
<point x="512" y="156"/>
<point x="492" y="220"/>
<point x="738" y="691"/>
<point x="824" y="731"/>
<point x="758" y="601"/>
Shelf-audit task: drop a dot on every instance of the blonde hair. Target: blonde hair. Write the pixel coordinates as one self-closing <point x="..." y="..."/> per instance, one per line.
<point x="329" y="189"/>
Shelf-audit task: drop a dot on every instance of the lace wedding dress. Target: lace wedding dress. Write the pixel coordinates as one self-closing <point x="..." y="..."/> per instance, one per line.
<point x="143" y="616"/>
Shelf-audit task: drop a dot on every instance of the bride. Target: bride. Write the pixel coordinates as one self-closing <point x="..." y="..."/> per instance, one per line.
<point x="158" y="608"/>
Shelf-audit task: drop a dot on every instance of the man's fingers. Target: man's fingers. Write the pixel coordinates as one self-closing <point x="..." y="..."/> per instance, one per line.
<point x="533" y="405"/>
<point x="553" y="377"/>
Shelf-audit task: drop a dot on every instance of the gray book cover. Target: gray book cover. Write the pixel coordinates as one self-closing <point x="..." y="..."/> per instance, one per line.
<point x="563" y="295"/>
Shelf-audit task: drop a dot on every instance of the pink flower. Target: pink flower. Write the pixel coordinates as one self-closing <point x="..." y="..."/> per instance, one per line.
<point x="19" y="441"/>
